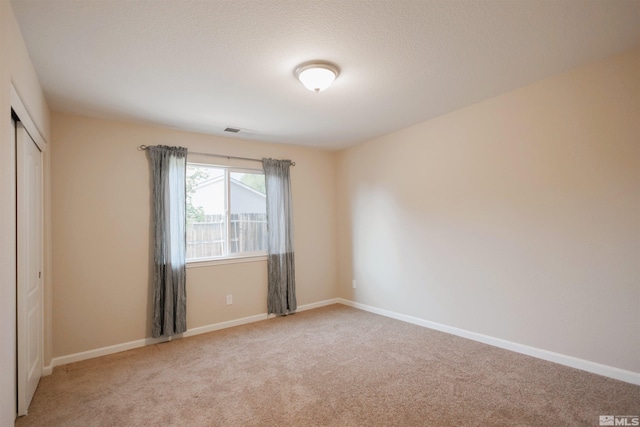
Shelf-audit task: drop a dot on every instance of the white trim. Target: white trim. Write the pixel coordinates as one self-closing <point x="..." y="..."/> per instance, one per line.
<point x="251" y="319"/>
<point x="318" y="304"/>
<point x="23" y="114"/>
<point x="208" y="262"/>
<point x="104" y="351"/>
<point x="215" y="161"/>
<point x="573" y="362"/>
<point x="225" y="325"/>
<point x="562" y="359"/>
<point x="90" y="354"/>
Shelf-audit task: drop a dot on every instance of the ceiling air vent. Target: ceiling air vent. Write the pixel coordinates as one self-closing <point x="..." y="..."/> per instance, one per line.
<point x="233" y="130"/>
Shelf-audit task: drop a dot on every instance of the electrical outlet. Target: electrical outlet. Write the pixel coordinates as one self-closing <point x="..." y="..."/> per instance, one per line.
<point x="229" y="299"/>
<point x="353" y="283"/>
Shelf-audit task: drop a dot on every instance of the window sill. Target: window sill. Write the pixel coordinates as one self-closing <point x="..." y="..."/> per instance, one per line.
<point x="228" y="260"/>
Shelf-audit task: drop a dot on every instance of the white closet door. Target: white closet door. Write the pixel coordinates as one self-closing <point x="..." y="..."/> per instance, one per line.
<point x="30" y="253"/>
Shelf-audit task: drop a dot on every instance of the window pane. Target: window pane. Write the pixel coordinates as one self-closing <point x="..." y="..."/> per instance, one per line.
<point x="206" y="222"/>
<point x="248" y="220"/>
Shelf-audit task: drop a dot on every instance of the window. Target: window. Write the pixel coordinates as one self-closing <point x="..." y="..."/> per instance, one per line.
<point x="226" y="212"/>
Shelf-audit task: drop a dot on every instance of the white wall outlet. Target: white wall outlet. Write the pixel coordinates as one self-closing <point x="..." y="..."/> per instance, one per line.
<point x="229" y="299"/>
<point x="353" y="284"/>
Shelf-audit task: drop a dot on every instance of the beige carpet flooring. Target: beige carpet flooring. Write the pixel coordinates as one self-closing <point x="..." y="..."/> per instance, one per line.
<point x="332" y="366"/>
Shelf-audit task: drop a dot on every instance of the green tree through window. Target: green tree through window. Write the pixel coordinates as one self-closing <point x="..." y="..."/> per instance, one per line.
<point x="195" y="213"/>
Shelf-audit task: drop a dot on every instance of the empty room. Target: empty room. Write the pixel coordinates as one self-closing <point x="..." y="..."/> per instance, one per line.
<point x="319" y="213"/>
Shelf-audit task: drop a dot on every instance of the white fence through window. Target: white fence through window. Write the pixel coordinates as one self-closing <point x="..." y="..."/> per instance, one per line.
<point x="207" y="239"/>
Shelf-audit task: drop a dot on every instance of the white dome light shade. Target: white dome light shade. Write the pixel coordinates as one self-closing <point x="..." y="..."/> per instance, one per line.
<point x="316" y="76"/>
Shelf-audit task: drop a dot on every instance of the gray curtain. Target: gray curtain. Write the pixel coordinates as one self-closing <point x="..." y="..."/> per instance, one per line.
<point x="168" y="169"/>
<point x="281" y="299"/>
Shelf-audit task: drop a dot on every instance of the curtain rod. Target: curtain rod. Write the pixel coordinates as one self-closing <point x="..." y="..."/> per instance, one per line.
<point x="145" y="147"/>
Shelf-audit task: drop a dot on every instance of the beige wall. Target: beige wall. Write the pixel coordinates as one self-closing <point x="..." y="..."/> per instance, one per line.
<point x="16" y="68"/>
<point x="101" y="244"/>
<point x="517" y="218"/>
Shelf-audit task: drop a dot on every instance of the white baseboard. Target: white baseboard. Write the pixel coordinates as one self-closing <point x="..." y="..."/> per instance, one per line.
<point x="251" y="319"/>
<point x="224" y="325"/>
<point x="585" y="365"/>
<point x="103" y="351"/>
<point x="562" y="359"/>
<point x="318" y="304"/>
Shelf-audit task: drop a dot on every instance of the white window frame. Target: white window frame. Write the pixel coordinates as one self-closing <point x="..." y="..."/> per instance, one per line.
<point x="227" y="258"/>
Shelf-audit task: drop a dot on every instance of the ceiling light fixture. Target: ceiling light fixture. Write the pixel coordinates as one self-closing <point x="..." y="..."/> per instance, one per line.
<point x="317" y="75"/>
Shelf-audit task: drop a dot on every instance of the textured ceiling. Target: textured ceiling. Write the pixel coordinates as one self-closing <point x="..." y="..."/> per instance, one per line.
<point x="206" y="65"/>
